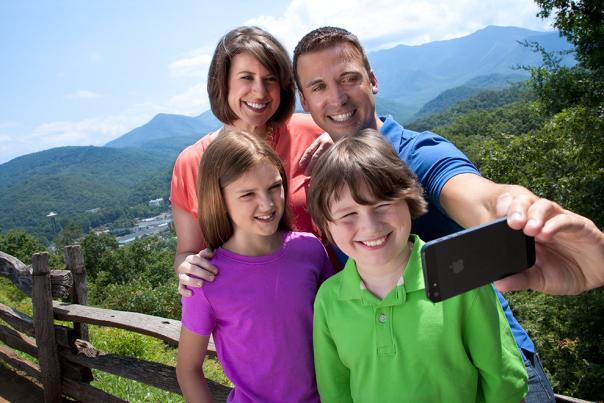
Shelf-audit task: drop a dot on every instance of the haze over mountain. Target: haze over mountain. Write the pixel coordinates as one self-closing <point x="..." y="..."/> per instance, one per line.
<point x="136" y="166"/>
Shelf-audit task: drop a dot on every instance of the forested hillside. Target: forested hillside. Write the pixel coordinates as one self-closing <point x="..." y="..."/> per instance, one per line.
<point x="72" y="180"/>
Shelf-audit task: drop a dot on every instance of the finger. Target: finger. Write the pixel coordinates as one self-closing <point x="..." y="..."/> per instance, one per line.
<point x="203" y="264"/>
<point x="189" y="281"/>
<point x="315" y="157"/>
<point x="182" y="290"/>
<point x="517" y="210"/>
<point x="207" y="253"/>
<point x="566" y="222"/>
<point x="310" y="151"/>
<point x="525" y="280"/>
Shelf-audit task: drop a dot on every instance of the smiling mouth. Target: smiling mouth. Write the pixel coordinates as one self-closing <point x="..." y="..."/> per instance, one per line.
<point x="375" y="243"/>
<point x="256" y="106"/>
<point x="267" y="217"/>
<point x="342" y="117"/>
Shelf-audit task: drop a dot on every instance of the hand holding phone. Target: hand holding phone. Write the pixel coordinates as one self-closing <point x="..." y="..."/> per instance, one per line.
<point x="474" y="257"/>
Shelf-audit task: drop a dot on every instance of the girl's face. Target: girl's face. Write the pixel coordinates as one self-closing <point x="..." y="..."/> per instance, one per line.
<point x="374" y="235"/>
<point x="254" y="92"/>
<point x="255" y="202"/>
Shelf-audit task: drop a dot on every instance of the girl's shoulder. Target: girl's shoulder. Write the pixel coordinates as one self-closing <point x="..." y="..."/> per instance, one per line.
<point x="300" y="238"/>
<point x="304" y="243"/>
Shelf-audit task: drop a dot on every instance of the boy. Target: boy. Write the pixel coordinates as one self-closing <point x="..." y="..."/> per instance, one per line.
<point x="376" y="335"/>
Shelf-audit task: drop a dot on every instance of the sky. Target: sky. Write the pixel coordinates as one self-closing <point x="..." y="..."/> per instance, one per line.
<point x="80" y="73"/>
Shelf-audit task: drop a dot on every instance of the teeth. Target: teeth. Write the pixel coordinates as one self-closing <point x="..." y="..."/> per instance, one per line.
<point x="375" y="242"/>
<point x="341" y="118"/>
<point x="255" y="105"/>
<point x="264" y="217"/>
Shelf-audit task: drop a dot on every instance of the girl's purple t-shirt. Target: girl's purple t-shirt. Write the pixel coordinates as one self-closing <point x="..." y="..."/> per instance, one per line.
<point x="259" y="311"/>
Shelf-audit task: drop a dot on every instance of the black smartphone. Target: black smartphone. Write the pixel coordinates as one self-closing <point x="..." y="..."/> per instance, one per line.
<point x="474" y="257"/>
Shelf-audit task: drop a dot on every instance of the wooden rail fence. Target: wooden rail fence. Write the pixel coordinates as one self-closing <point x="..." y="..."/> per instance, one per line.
<point x="65" y="356"/>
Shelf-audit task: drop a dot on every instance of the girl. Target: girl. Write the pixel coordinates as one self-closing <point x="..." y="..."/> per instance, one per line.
<point x="259" y="310"/>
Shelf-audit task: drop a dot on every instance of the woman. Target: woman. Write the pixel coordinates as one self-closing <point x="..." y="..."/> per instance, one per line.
<point x="251" y="88"/>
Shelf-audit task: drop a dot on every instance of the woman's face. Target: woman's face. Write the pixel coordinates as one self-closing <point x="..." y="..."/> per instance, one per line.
<point x="254" y="93"/>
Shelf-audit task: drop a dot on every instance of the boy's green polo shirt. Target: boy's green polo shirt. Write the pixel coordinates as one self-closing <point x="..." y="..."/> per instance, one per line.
<point x="406" y="348"/>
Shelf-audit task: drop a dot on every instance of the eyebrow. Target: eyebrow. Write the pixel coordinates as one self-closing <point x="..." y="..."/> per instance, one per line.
<point x="313" y="82"/>
<point x="277" y="182"/>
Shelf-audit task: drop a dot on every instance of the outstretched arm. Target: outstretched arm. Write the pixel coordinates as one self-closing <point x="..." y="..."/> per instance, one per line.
<point x="570" y="248"/>
<point x="570" y="251"/>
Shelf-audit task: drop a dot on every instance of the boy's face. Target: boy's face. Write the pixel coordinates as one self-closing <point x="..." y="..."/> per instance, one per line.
<point x="375" y="235"/>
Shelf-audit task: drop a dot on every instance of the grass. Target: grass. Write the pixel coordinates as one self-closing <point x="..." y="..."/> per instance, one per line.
<point x="121" y="342"/>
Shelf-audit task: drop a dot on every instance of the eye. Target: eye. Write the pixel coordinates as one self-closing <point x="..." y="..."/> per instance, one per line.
<point x="276" y="187"/>
<point x="246" y="77"/>
<point x="246" y="196"/>
<point x="271" y="79"/>
<point x="350" y="215"/>
<point x="317" y="87"/>
<point x="350" y="78"/>
<point x="383" y="205"/>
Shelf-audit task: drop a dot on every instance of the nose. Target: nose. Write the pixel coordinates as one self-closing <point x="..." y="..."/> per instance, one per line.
<point x="369" y="223"/>
<point x="266" y="201"/>
<point x="259" y="87"/>
<point x="337" y="96"/>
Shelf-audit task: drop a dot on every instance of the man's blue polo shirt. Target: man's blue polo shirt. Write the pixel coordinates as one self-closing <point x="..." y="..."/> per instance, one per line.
<point x="435" y="160"/>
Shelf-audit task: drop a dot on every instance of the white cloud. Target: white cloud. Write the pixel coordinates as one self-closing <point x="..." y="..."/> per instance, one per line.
<point x="195" y="64"/>
<point x="411" y="22"/>
<point x="84" y="94"/>
<point x="191" y="102"/>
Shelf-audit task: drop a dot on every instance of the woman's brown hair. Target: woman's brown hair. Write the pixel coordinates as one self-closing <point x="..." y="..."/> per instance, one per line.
<point x="268" y="51"/>
<point x="228" y="157"/>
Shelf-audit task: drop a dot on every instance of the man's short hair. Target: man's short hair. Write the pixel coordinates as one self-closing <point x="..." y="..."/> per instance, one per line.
<point x="363" y="162"/>
<point x="268" y="51"/>
<point x="324" y="38"/>
<point x="230" y="155"/>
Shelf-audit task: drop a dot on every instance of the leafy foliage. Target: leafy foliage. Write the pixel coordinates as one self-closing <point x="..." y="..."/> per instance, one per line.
<point x="582" y="23"/>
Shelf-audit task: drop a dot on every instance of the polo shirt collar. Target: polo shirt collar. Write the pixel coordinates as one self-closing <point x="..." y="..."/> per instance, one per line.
<point x="392" y="130"/>
<point x="413" y="279"/>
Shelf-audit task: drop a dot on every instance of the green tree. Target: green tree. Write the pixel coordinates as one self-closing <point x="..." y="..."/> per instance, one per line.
<point x="20" y="244"/>
<point x="582" y="23"/>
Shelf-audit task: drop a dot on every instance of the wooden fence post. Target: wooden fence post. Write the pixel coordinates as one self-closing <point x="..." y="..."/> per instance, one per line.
<point x="75" y="263"/>
<point x="48" y="356"/>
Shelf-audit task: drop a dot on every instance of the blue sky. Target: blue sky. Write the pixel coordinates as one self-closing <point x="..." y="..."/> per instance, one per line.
<point x="78" y="72"/>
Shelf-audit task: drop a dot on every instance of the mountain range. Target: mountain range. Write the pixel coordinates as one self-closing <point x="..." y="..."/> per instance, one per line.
<point x="414" y="82"/>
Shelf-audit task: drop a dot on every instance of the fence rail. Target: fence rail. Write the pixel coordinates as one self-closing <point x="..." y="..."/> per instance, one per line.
<point x="65" y="356"/>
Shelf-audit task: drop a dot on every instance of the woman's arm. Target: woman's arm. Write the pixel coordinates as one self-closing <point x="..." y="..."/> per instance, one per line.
<point x="189" y="366"/>
<point x="189" y="261"/>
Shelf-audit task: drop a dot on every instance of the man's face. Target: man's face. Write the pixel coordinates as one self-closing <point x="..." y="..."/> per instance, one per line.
<point x="337" y="90"/>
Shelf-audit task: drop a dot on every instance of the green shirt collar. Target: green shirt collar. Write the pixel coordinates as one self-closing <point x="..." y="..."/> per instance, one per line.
<point x="351" y="285"/>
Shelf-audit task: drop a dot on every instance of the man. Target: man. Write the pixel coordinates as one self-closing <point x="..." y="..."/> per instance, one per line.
<point x="336" y="85"/>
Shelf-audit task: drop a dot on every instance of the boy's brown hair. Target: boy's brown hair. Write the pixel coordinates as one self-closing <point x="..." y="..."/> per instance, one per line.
<point x="268" y="51"/>
<point x="365" y="161"/>
<point x="228" y="157"/>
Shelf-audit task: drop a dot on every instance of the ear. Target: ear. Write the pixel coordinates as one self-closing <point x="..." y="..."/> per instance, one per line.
<point x="303" y="101"/>
<point x="374" y="83"/>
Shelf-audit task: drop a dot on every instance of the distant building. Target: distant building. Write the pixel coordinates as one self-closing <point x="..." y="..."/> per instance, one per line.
<point x="51" y="216"/>
<point x="93" y="210"/>
<point x="156" y="202"/>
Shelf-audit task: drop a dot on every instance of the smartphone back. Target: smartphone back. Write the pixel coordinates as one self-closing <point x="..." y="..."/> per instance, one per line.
<point x="474" y="257"/>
